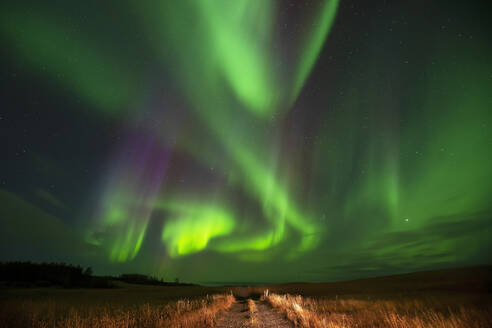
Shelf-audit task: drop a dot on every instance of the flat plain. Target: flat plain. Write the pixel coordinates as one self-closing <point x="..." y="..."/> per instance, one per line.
<point x="440" y="298"/>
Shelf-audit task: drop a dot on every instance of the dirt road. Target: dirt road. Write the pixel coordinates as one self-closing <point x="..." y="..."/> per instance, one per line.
<point x="238" y="316"/>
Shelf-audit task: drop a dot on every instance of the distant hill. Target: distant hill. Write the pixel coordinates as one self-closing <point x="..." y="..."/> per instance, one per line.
<point x="469" y="279"/>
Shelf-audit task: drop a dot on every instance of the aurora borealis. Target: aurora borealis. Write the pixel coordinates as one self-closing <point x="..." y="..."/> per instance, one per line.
<point x="258" y="141"/>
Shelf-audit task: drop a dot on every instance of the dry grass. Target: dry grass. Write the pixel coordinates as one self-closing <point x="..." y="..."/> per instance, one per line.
<point x="391" y="313"/>
<point x="200" y="312"/>
<point x="253" y="319"/>
<point x="444" y="298"/>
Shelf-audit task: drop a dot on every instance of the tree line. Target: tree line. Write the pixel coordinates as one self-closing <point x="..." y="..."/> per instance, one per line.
<point x="28" y="274"/>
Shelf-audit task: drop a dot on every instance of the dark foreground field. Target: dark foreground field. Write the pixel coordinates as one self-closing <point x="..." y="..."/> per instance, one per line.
<point x="445" y="298"/>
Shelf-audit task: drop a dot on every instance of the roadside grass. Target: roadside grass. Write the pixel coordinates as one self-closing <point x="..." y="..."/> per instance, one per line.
<point x="112" y="308"/>
<point x="422" y="312"/>
<point x="253" y="319"/>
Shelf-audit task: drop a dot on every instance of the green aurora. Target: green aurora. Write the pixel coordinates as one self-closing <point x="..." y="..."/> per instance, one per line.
<point x="250" y="146"/>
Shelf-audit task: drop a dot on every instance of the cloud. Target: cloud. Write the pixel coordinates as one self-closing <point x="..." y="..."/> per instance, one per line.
<point x="29" y="233"/>
<point x="454" y="240"/>
<point x="48" y="197"/>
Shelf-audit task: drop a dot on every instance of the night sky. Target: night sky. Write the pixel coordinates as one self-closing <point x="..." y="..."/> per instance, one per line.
<point x="247" y="141"/>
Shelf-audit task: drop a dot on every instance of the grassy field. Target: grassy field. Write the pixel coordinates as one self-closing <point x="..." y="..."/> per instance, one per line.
<point x="445" y="298"/>
<point x="126" y="306"/>
<point x="419" y="311"/>
<point x="456" y="298"/>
